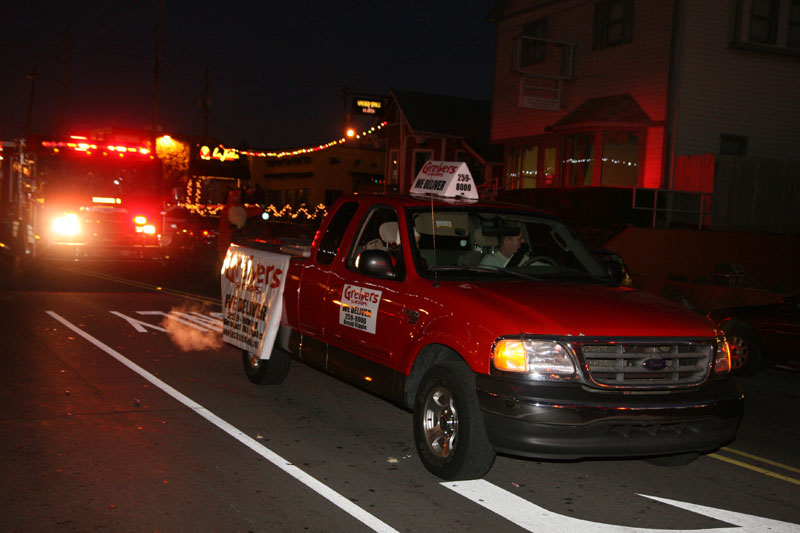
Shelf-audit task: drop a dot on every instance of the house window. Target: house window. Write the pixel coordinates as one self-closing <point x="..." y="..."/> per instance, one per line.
<point x="620" y="158"/>
<point x="301" y="196"/>
<point x="533" y="50"/>
<point x="764" y="21"/>
<point x="512" y="168"/>
<point x="548" y="167"/>
<point x="793" y="33"/>
<point x="530" y="167"/>
<point x="733" y="145"/>
<point x="608" y="158"/>
<point x="613" y="23"/>
<point x="475" y="166"/>
<point x="420" y="158"/>
<point x="331" y="195"/>
<point x="393" y="167"/>
<point x="274" y="197"/>
<point x="578" y="162"/>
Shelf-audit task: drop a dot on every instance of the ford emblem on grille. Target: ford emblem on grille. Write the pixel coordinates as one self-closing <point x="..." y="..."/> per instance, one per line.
<point x="654" y="363"/>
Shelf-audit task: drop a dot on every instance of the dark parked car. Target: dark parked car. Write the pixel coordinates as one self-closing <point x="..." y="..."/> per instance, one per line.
<point x="188" y="232"/>
<point x="761" y="334"/>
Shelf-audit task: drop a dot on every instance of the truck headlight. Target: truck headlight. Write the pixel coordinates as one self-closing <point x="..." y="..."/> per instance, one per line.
<point x="140" y="222"/>
<point x="542" y="360"/>
<point x="149" y="229"/>
<point x="722" y="356"/>
<point x="67" y="225"/>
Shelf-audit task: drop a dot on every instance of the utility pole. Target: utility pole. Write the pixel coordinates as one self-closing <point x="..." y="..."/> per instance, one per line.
<point x="346" y="117"/>
<point x="61" y="118"/>
<point x="159" y="27"/>
<point x="32" y="77"/>
<point x="206" y="104"/>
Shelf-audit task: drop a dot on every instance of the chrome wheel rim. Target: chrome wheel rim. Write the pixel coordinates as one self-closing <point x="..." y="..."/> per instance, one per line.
<point x="440" y="423"/>
<point x="739" y="351"/>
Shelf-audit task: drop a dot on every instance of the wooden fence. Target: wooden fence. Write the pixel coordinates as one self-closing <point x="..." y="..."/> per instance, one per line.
<point x="754" y="194"/>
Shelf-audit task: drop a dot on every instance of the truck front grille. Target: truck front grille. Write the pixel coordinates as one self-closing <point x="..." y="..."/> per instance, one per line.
<point x="646" y="365"/>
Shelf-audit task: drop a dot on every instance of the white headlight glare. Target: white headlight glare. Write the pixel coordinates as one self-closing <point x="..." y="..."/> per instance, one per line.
<point x="542" y="360"/>
<point x="548" y="359"/>
<point x="67" y="225"/>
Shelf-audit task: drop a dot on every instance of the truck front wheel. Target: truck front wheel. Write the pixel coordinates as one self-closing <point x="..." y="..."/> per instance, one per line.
<point x="272" y="371"/>
<point x="448" y="425"/>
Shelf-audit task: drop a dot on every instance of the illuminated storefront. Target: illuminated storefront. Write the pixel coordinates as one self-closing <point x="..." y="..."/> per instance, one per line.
<point x="601" y="143"/>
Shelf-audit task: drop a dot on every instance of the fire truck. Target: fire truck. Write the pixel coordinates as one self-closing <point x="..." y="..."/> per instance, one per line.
<point x="82" y="199"/>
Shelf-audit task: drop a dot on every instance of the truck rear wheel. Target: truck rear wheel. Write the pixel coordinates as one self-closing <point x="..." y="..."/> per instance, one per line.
<point x="448" y="424"/>
<point x="272" y="371"/>
<point x="745" y="352"/>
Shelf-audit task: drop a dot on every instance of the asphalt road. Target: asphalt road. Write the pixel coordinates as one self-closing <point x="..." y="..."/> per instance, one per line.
<point x="120" y="409"/>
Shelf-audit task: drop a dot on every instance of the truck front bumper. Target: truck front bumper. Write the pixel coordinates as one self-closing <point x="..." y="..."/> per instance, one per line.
<point x="556" y="421"/>
<point x="106" y="252"/>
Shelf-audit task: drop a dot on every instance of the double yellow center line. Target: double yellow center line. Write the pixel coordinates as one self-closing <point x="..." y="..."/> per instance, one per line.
<point x="755" y="468"/>
<point x="718" y="456"/>
<point x="143" y="285"/>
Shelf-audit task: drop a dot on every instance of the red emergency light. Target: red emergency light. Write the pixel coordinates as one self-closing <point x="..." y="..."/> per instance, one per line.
<point x="87" y="147"/>
<point x="106" y="200"/>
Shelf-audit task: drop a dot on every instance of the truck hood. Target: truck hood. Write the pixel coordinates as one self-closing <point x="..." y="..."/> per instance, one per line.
<point x="579" y="309"/>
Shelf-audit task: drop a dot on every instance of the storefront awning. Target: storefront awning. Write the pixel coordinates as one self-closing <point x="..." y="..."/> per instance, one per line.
<point x="618" y="111"/>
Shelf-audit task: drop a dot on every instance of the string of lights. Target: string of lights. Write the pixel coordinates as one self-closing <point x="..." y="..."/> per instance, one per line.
<point x="285" y="213"/>
<point x="310" y="149"/>
<point x="573" y="161"/>
<point x="195" y="192"/>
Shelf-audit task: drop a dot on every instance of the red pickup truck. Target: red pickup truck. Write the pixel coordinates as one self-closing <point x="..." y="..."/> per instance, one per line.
<point x="537" y="354"/>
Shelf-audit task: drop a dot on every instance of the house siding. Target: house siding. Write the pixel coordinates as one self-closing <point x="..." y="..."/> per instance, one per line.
<point x="639" y="68"/>
<point x="732" y="91"/>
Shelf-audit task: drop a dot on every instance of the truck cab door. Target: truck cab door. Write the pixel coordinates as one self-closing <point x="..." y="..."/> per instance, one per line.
<point x="363" y="313"/>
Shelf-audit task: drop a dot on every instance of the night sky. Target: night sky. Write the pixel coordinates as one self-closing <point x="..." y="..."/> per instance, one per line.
<point x="277" y="69"/>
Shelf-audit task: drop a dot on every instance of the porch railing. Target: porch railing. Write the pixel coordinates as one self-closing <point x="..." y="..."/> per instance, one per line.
<point x="667" y="208"/>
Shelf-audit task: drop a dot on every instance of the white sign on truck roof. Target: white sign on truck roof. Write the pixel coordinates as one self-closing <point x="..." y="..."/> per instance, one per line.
<point x="445" y="179"/>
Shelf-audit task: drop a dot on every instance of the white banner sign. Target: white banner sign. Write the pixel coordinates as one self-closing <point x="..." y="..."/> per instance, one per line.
<point x="252" y="284"/>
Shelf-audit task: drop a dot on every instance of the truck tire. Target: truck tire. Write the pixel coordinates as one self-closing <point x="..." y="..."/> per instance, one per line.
<point x="272" y="371"/>
<point x="745" y="352"/>
<point x="449" y="433"/>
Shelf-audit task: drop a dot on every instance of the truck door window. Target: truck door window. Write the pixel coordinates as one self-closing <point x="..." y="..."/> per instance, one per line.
<point x="334" y="232"/>
<point x="379" y="231"/>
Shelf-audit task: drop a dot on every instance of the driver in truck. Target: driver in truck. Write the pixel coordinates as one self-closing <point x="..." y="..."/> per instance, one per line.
<point x="509" y="245"/>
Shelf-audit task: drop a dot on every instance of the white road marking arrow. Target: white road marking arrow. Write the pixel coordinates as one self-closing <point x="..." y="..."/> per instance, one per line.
<point x="534" y="518"/>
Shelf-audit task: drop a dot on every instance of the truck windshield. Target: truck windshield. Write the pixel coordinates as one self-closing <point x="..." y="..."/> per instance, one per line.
<point x="473" y="242"/>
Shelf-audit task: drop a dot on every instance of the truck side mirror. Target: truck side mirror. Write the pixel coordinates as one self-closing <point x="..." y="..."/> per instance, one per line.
<point x="376" y="263"/>
<point x="617" y="269"/>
